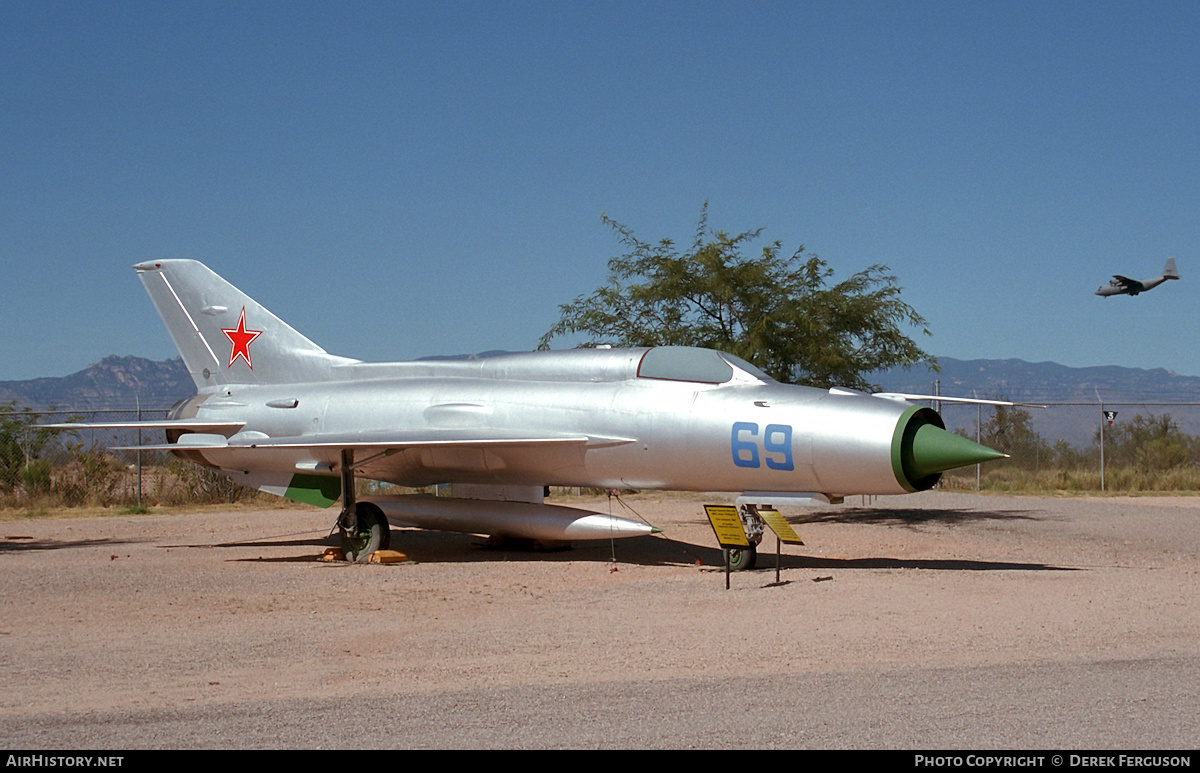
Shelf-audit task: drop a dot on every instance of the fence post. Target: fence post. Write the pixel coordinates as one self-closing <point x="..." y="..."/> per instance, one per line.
<point x="978" y="439"/>
<point x="139" y="453"/>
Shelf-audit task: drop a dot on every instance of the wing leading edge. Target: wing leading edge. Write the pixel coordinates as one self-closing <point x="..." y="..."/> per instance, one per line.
<point x="188" y="425"/>
<point x="404" y="458"/>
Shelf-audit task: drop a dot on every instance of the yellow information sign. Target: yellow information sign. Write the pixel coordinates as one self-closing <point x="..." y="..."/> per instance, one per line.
<point x="783" y="530"/>
<point x="727" y="526"/>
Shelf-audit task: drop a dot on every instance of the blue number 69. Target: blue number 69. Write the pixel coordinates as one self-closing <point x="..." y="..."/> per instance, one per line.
<point x="776" y="444"/>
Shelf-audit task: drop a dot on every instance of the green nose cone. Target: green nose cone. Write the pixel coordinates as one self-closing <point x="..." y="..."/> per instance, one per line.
<point x="922" y="449"/>
<point x="936" y="450"/>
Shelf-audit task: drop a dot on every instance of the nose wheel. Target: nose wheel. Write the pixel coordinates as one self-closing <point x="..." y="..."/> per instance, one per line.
<point x="741" y="559"/>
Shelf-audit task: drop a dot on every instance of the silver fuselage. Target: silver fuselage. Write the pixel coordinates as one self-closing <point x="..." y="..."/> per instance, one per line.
<point x="617" y="429"/>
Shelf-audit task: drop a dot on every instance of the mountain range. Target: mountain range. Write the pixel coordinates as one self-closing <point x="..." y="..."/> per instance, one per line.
<point x="1042" y="382"/>
<point x="121" y="382"/>
<point x="113" y="383"/>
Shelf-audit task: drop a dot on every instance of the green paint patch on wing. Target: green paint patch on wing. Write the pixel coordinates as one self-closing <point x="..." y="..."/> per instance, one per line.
<point x="319" y="490"/>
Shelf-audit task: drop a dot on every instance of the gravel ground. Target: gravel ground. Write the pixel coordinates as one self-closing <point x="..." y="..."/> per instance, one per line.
<point x="933" y="620"/>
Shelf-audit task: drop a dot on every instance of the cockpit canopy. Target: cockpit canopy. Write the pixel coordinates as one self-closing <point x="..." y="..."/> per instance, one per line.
<point x="704" y="366"/>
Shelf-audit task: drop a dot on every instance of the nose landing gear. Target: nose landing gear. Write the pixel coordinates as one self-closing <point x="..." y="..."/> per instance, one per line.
<point x="744" y="559"/>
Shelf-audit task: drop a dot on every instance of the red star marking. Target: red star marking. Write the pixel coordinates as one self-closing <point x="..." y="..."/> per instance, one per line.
<point x="240" y="337"/>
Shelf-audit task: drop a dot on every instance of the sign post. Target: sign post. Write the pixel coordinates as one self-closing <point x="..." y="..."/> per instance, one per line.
<point x="728" y="527"/>
<point x="783" y="532"/>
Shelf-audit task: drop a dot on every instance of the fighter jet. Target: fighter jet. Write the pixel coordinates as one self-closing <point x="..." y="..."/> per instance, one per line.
<point x="278" y="413"/>
<point x="1121" y="285"/>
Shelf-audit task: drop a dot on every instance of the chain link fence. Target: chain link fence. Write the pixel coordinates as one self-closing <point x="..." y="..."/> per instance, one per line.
<point x="1076" y="446"/>
<point x="1071" y="447"/>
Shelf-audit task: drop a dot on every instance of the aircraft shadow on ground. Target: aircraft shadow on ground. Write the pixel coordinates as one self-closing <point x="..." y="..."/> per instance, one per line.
<point x="902" y="516"/>
<point x="445" y="547"/>
<point x="28" y="544"/>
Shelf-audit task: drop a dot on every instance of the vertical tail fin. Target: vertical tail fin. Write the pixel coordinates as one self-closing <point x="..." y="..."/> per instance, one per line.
<point x="1169" y="270"/>
<point x="224" y="335"/>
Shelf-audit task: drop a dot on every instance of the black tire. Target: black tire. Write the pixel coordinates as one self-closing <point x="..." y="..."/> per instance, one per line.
<point x="741" y="559"/>
<point x="373" y="533"/>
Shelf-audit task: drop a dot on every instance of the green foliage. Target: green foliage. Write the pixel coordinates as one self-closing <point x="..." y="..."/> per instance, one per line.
<point x="1150" y="443"/>
<point x="204" y="484"/>
<point x="1068" y="457"/>
<point x="92" y="477"/>
<point x="35" y="476"/>
<point x="1010" y="429"/>
<point x="778" y="313"/>
<point x="21" y="443"/>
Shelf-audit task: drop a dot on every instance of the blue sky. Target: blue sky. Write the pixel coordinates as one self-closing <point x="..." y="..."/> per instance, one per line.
<point x="403" y="179"/>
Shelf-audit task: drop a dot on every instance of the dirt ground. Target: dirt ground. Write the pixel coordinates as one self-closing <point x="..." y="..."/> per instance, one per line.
<point x="933" y="620"/>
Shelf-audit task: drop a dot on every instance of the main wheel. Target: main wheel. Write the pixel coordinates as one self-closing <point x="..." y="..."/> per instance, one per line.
<point x="741" y="559"/>
<point x="372" y="533"/>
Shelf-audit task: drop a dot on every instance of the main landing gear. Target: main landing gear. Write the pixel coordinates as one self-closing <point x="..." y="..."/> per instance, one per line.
<point x="370" y="532"/>
<point x="362" y="526"/>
